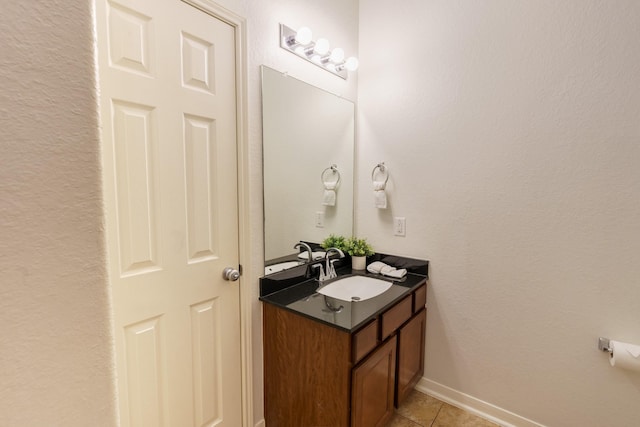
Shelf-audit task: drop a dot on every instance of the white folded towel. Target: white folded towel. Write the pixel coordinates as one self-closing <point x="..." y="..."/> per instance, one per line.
<point x="329" y="196"/>
<point x="375" y="267"/>
<point x="396" y="273"/>
<point x="378" y="267"/>
<point x="379" y="194"/>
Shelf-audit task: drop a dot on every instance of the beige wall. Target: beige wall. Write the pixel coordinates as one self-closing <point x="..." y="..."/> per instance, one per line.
<point x="55" y="348"/>
<point x="511" y="132"/>
<point x="55" y="344"/>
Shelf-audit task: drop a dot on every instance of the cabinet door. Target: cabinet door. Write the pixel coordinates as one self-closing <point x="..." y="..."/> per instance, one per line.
<point x="410" y="355"/>
<point x="373" y="387"/>
<point x="307" y="367"/>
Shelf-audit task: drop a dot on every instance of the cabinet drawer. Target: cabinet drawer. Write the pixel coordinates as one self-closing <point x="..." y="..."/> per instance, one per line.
<point x="419" y="298"/>
<point x="364" y="341"/>
<point x="396" y="316"/>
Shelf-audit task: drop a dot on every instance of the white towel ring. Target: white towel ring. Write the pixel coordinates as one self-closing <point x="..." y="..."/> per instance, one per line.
<point x="334" y="170"/>
<point x="383" y="170"/>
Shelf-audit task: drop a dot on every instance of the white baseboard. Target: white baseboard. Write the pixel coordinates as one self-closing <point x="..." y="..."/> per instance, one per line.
<point x="260" y="423"/>
<point x="475" y="406"/>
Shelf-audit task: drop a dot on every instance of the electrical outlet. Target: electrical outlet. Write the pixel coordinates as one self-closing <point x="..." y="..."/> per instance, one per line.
<point x="399" y="226"/>
<point x="320" y="219"/>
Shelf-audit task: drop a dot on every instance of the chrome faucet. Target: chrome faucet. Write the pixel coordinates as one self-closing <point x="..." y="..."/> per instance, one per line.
<point x="330" y="270"/>
<point x="307" y="247"/>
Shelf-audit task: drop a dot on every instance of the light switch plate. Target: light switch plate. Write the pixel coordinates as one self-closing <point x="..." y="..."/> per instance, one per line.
<point x="399" y="226"/>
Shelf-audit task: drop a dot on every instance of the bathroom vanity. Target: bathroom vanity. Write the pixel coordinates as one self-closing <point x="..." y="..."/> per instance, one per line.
<point x="329" y="362"/>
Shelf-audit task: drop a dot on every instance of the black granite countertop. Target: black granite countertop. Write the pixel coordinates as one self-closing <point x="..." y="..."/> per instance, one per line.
<point x="292" y="291"/>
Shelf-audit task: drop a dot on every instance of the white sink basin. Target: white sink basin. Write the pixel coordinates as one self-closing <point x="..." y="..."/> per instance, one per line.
<point x="355" y="288"/>
<point x="281" y="266"/>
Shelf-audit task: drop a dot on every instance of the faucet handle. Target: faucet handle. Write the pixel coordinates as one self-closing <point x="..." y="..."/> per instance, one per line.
<point x="331" y="269"/>
<point x="321" y="275"/>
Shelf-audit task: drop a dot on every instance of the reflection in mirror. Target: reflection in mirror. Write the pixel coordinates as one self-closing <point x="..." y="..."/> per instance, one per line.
<point x="306" y="130"/>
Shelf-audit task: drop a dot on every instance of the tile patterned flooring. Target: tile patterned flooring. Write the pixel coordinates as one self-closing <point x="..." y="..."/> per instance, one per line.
<point x="421" y="410"/>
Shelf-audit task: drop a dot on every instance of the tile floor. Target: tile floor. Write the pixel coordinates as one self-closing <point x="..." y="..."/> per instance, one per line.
<point x="421" y="410"/>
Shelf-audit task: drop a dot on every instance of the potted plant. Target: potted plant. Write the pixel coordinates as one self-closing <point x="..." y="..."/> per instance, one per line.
<point x="334" y="241"/>
<point x="359" y="249"/>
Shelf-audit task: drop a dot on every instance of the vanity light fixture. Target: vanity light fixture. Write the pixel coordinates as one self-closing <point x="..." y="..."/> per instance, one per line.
<point x="317" y="52"/>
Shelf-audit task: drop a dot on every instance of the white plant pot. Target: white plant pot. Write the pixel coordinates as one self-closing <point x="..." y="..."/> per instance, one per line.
<point x="358" y="262"/>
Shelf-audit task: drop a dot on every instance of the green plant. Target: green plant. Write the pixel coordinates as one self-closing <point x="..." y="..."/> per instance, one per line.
<point x="358" y="247"/>
<point x="334" y="241"/>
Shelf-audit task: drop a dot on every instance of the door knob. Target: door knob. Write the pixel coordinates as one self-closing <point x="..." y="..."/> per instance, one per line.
<point x="231" y="274"/>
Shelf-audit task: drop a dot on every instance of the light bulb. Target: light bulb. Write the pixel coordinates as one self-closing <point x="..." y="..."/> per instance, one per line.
<point x="352" y="63"/>
<point x="322" y="46"/>
<point x="304" y="35"/>
<point x="337" y="55"/>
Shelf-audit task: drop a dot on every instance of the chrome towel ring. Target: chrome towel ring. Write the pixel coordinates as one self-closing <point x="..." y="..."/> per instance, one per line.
<point x="382" y="170"/>
<point x="333" y="169"/>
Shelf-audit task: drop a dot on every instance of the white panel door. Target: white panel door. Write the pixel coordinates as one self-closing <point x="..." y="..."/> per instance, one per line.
<point x="168" y="114"/>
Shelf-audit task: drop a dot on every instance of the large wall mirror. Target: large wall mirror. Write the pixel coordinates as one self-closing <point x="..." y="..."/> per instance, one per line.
<point x="306" y="131"/>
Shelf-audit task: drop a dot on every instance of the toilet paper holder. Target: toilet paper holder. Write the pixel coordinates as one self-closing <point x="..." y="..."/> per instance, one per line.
<point x="604" y="345"/>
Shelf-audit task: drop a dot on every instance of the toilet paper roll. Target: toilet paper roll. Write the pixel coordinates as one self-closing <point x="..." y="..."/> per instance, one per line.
<point x="625" y="355"/>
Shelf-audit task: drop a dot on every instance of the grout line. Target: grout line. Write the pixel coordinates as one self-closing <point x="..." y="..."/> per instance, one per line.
<point x="436" y="417"/>
<point x="408" y="419"/>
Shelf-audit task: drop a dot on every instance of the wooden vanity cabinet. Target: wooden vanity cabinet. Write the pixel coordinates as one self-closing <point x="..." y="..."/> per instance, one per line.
<point x="318" y="375"/>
